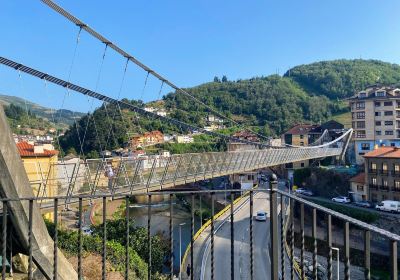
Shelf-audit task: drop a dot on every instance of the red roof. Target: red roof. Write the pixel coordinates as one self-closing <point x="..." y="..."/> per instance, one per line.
<point x="384" y="152"/>
<point x="359" y="178"/>
<point x="26" y="150"/>
<point x="301" y="129"/>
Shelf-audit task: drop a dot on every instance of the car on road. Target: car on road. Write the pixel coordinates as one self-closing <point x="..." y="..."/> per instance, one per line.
<point x="261" y="216"/>
<point x="303" y="191"/>
<point x="364" y="203"/>
<point x="87" y="230"/>
<point x="389" y="206"/>
<point x="341" y="199"/>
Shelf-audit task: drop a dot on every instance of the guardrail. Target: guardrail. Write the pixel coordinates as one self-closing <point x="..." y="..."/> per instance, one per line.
<point x="277" y="241"/>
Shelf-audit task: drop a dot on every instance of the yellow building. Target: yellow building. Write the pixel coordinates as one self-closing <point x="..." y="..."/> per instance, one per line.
<point x="40" y="166"/>
<point x="300" y="135"/>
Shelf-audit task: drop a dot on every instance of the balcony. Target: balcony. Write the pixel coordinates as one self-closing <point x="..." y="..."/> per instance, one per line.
<point x="384" y="188"/>
<point x="395" y="173"/>
<point x="372" y="171"/>
<point x="287" y="218"/>
<point x="383" y="172"/>
<point x="373" y="187"/>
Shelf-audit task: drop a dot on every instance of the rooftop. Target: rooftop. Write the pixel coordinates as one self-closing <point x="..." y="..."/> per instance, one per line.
<point x="359" y="178"/>
<point x="27" y="150"/>
<point x="384" y="152"/>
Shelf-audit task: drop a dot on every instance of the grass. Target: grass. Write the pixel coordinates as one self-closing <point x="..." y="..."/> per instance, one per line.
<point x="343" y="118"/>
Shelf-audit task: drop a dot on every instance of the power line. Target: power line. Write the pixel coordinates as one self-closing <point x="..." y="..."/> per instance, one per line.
<point x="122" y="104"/>
<point x="108" y="43"/>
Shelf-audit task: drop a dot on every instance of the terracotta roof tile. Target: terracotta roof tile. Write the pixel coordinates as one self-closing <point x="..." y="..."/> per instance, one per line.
<point x="26" y="150"/>
<point x="359" y="178"/>
<point x="384" y="152"/>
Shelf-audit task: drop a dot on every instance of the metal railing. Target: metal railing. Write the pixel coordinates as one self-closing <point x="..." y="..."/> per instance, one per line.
<point x="283" y="224"/>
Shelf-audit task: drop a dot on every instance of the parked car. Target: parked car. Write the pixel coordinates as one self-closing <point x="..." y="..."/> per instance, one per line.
<point x="261" y="216"/>
<point x="389" y="206"/>
<point x="87" y="230"/>
<point x="304" y="191"/>
<point x="341" y="199"/>
<point x="364" y="203"/>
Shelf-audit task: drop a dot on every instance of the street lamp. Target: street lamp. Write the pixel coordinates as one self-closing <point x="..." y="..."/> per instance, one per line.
<point x="337" y="254"/>
<point x="180" y="249"/>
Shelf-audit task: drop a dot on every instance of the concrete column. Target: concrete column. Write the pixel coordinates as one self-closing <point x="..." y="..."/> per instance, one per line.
<point x="14" y="183"/>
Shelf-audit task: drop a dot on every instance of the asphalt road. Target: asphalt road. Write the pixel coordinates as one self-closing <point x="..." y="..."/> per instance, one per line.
<point x="242" y="245"/>
<point x="371" y="210"/>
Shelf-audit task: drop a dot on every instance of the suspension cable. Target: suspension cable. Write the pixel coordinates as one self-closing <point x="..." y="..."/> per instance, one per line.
<point x="104" y="40"/>
<point x="123" y="104"/>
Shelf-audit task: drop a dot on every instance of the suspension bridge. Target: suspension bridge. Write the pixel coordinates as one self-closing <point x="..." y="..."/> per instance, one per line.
<point x="86" y="178"/>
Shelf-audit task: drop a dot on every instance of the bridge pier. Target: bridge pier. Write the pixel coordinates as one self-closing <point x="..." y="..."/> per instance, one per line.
<point x="14" y="184"/>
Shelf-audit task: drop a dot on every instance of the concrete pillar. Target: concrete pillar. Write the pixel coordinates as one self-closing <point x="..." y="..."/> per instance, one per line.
<point x="14" y="183"/>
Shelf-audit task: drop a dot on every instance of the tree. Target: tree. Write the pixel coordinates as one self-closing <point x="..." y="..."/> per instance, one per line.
<point x="224" y="79"/>
<point x="216" y="80"/>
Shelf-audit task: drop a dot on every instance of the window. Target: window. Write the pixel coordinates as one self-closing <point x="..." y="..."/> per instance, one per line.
<point x="378" y="123"/>
<point x="397" y="185"/>
<point x="392" y="145"/>
<point x="389" y="132"/>
<point x="377" y="104"/>
<point x="396" y="168"/>
<point x="388" y="113"/>
<point x="365" y="146"/>
<point x="387" y="103"/>
<point x="388" y="122"/>
<point x="373" y="166"/>
<point x="378" y="132"/>
<point x="360" y="188"/>
<point x="377" y="114"/>
<point x="301" y="143"/>
<point x="380" y="93"/>
<point x="373" y="181"/>
<point x="384" y="166"/>
<point x="302" y="164"/>
<point x="362" y="94"/>
<point x="360" y="134"/>
<point x="360" y="124"/>
<point x="361" y="115"/>
<point x="301" y="136"/>
<point x="360" y="105"/>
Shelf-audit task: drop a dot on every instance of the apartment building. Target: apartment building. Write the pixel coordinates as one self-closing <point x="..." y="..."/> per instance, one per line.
<point x="148" y="138"/>
<point x="375" y="114"/>
<point x="382" y="174"/>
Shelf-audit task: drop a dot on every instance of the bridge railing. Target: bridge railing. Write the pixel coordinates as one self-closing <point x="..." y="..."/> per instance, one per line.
<point x="92" y="176"/>
<point x="289" y="219"/>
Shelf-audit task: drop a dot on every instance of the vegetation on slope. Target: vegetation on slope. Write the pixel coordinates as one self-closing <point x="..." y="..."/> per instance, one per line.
<point x="339" y="79"/>
<point x="26" y="122"/>
<point x="270" y="105"/>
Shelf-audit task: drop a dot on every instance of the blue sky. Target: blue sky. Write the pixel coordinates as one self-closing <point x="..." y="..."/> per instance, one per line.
<point x="187" y="41"/>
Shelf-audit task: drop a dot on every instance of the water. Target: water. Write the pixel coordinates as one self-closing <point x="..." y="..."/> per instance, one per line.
<point x="160" y="214"/>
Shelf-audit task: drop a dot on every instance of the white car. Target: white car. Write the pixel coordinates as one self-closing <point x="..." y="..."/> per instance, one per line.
<point x="87" y="231"/>
<point x="261" y="216"/>
<point x="341" y="199"/>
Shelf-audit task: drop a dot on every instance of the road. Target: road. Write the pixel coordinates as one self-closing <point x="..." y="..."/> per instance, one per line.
<point x="242" y="244"/>
<point x="371" y="210"/>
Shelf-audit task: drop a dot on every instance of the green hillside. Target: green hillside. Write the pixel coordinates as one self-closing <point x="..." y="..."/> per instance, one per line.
<point x="307" y="93"/>
<point x="341" y="78"/>
<point x="63" y="118"/>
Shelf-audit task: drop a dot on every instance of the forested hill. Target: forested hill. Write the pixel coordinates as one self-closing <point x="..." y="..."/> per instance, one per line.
<point x="306" y="93"/>
<point x="271" y="105"/>
<point x="341" y="78"/>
